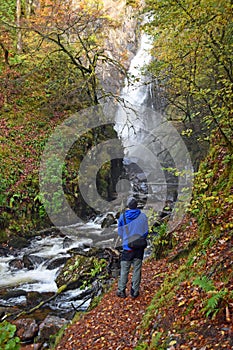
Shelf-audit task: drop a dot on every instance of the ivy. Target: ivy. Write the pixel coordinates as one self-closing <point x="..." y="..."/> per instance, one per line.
<point x="8" y="340"/>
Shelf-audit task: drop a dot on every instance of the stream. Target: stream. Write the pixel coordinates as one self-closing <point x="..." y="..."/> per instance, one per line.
<point x="38" y="275"/>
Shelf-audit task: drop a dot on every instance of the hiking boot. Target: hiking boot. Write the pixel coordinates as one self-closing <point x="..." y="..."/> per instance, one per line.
<point x="133" y="294"/>
<point x="121" y="294"/>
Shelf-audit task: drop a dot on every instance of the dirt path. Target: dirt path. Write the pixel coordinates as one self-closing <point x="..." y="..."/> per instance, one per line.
<point x="113" y="323"/>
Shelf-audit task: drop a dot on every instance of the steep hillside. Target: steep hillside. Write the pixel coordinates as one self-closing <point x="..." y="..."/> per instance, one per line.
<point x="193" y="307"/>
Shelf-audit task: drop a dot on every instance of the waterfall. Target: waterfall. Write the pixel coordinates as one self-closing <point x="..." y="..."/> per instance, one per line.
<point x="151" y="143"/>
<point x="129" y="121"/>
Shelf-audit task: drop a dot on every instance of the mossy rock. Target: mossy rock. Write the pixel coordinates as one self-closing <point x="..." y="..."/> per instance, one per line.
<point x="79" y="271"/>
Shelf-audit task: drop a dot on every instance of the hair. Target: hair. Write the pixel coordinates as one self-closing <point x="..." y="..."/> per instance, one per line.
<point x="132" y="203"/>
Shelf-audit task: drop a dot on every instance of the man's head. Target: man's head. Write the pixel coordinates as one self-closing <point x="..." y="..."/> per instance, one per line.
<point x="132" y="203"/>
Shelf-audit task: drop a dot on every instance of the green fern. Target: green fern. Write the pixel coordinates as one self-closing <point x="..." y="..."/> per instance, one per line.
<point x="211" y="307"/>
<point x="204" y="283"/>
<point x="212" y="303"/>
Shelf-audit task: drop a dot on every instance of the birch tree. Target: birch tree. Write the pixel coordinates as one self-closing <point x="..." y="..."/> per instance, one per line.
<point x="18" y="24"/>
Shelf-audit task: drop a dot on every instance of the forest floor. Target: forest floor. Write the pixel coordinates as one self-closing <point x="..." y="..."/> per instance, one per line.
<point x="116" y="323"/>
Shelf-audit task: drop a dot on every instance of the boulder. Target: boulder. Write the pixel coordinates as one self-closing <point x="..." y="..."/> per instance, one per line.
<point x="8" y="294"/>
<point x="50" y="326"/>
<point x="32" y="261"/>
<point x="34" y="298"/>
<point x="75" y="271"/>
<point x="16" y="264"/>
<point x="18" y="242"/>
<point x="57" y="262"/>
<point x="67" y="242"/>
<point x="108" y="220"/>
<point x="4" y="251"/>
<point x="27" y="329"/>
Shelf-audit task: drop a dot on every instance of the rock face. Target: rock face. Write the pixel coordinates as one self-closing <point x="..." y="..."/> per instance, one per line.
<point x="121" y="42"/>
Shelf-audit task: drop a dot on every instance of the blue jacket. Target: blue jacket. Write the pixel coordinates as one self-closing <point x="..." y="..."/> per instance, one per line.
<point x="137" y="223"/>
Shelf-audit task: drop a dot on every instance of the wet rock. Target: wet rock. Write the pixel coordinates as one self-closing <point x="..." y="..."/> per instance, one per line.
<point x="34" y="298"/>
<point x="31" y="261"/>
<point x="108" y="221"/>
<point x="18" y="242"/>
<point x="50" y="326"/>
<point x="67" y="242"/>
<point x="16" y="264"/>
<point x="77" y="251"/>
<point x="57" y="262"/>
<point x="5" y="295"/>
<point x="141" y="177"/>
<point x="49" y="231"/>
<point x="75" y="271"/>
<point x="81" y="269"/>
<point x="27" y="329"/>
<point x="4" y="251"/>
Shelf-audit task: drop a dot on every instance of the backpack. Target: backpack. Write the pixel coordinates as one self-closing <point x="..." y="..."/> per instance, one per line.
<point x="136" y="241"/>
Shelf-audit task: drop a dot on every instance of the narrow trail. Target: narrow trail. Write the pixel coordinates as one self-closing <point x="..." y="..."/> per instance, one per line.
<point x="113" y="324"/>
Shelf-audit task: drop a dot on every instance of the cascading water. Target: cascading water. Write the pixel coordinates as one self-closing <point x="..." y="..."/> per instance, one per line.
<point x="154" y="152"/>
<point x="135" y="120"/>
<point x="129" y="122"/>
<point x="40" y="275"/>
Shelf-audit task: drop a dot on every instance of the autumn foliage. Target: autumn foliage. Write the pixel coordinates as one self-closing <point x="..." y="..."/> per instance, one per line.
<point x="51" y="76"/>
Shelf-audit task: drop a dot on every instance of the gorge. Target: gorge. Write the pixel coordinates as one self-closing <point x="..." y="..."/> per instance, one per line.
<point x="31" y="275"/>
<point x="96" y="108"/>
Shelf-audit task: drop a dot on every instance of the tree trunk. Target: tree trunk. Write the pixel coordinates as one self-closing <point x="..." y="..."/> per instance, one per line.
<point x="19" y="45"/>
<point x="30" y="7"/>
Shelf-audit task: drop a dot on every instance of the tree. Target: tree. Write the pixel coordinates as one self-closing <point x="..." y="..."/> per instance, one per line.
<point x="73" y="32"/>
<point x="18" y="20"/>
<point x="7" y="14"/>
<point x="193" y="59"/>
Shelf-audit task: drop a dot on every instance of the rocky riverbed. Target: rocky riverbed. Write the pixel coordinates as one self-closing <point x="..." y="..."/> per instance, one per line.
<point x="47" y="279"/>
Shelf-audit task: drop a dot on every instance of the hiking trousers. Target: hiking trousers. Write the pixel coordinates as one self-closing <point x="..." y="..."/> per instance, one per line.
<point x="136" y="277"/>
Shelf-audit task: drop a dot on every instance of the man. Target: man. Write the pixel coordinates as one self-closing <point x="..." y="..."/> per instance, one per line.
<point x="131" y="222"/>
